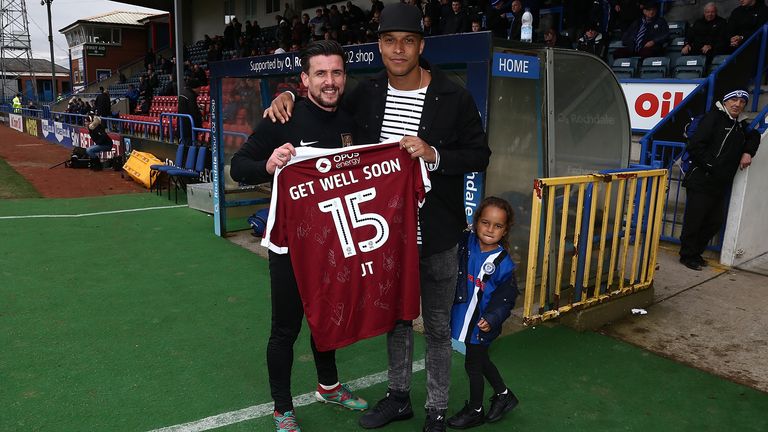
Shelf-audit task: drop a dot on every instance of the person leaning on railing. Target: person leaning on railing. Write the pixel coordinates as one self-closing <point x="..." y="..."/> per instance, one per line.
<point x="17" y="103"/>
<point x="720" y="145"/>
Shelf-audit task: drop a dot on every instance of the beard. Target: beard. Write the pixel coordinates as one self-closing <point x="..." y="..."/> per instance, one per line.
<point x="325" y="100"/>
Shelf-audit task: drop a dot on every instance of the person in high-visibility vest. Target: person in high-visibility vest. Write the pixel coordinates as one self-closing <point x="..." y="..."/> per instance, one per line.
<point x="17" y="103"/>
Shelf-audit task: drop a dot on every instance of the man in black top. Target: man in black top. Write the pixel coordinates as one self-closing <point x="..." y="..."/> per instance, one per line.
<point x="316" y="121"/>
<point x="187" y="104"/>
<point x="709" y="34"/>
<point x="103" y="103"/>
<point x="720" y="145"/>
<point x="745" y="20"/>
<point x="647" y="36"/>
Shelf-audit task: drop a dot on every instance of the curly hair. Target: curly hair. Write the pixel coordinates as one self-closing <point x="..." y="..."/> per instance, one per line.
<point x="502" y="205"/>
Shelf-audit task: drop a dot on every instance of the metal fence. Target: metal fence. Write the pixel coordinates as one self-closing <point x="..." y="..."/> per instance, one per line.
<point x="600" y="247"/>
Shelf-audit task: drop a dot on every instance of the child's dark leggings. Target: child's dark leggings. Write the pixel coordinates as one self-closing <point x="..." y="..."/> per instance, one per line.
<point x="478" y="364"/>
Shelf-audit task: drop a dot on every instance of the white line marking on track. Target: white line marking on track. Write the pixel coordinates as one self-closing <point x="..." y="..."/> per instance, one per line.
<point x="91" y="214"/>
<point x="265" y="409"/>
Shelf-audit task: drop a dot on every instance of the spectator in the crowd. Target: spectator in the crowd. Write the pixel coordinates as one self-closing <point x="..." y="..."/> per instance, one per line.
<point x="207" y="41"/>
<point x="146" y="91"/>
<point x="281" y="48"/>
<point x="496" y="18"/>
<point x="592" y="41"/>
<point x="199" y="75"/>
<point x="373" y="24"/>
<point x="188" y="105"/>
<point x="719" y="147"/>
<point x="149" y="58"/>
<point x="356" y="15"/>
<point x="103" y="103"/>
<point x="121" y="78"/>
<point x="171" y="87"/>
<point x="515" y="19"/>
<point x="647" y="36"/>
<point x="457" y="21"/>
<point x="132" y="94"/>
<point x="745" y="20"/>
<point x="289" y="13"/>
<point x="318" y="24"/>
<point x="299" y="31"/>
<point x="376" y="6"/>
<point x="283" y="34"/>
<point x="229" y="36"/>
<point x="248" y="30"/>
<point x="429" y="29"/>
<point x="334" y="19"/>
<point x="17" y="103"/>
<point x="708" y="36"/>
<point x="475" y="25"/>
<point x="624" y="13"/>
<point x="553" y="40"/>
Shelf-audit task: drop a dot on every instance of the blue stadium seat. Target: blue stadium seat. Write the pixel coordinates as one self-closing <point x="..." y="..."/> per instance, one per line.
<point x="625" y="67"/>
<point x="677" y="29"/>
<point x="690" y="67"/>
<point x="716" y="62"/>
<point x="674" y="49"/>
<point x="654" y="67"/>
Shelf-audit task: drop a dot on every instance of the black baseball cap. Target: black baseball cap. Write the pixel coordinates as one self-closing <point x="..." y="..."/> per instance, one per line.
<point x="401" y="17"/>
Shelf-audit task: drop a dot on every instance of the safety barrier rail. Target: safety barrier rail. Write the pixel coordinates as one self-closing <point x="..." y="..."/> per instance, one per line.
<point x="616" y="217"/>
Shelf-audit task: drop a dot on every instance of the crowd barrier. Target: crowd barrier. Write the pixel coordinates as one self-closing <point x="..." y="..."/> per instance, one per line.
<point x="601" y="248"/>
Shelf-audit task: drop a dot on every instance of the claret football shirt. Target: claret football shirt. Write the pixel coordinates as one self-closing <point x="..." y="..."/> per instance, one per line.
<point x="348" y="218"/>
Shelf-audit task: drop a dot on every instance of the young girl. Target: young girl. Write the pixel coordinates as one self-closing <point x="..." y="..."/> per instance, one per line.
<point x="485" y="294"/>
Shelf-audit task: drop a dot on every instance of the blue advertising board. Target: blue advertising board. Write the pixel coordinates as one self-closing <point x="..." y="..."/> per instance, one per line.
<point x="57" y="132"/>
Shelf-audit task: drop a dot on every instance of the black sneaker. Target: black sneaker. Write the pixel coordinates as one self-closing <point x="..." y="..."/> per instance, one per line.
<point x="396" y="406"/>
<point x="435" y="421"/>
<point x="500" y="405"/>
<point x="467" y="418"/>
<point x="702" y="262"/>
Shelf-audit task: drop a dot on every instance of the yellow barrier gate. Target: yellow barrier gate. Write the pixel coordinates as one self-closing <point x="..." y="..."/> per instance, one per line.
<point x="617" y="217"/>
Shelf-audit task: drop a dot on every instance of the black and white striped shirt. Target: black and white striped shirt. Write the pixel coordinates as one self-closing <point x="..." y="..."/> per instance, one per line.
<point x="402" y="112"/>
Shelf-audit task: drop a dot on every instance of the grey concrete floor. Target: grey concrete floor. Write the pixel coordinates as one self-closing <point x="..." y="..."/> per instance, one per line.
<point x="714" y="319"/>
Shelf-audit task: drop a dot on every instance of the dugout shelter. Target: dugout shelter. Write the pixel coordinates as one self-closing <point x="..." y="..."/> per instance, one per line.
<point x="548" y="112"/>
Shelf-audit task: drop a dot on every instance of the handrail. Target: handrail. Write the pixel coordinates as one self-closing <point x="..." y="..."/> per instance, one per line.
<point x="759" y="121"/>
<point x="170" y="128"/>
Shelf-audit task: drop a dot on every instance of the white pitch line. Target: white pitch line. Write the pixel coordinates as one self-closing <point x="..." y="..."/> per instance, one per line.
<point x="91" y="214"/>
<point x="265" y="409"/>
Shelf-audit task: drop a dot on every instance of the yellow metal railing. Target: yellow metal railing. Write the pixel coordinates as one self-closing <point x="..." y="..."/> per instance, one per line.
<point x="617" y="218"/>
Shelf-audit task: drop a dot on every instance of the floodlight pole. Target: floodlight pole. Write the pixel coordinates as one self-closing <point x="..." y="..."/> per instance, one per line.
<point x="50" y="43"/>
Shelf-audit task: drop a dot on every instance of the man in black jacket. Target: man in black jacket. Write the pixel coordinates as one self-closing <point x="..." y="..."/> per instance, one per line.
<point x="103" y="103"/>
<point x="439" y="122"/>
<point x="720" y="146"/>
<point x="188" y="105"/>
<point x="745" y="20"/>
<point x="708" y="36"/>
<point x="315" y="120"/>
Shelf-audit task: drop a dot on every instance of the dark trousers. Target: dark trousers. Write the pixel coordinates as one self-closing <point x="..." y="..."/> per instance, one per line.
<point x="704" y="216"/>
<point x="478" y="365"/>
<point x="287" y="315"/>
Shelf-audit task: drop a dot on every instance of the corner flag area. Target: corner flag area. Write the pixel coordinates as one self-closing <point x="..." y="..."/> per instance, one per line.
<point x="125" y="312"/>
